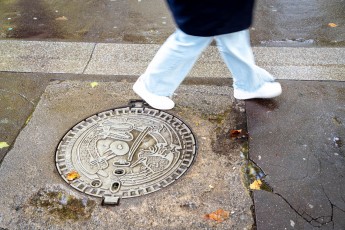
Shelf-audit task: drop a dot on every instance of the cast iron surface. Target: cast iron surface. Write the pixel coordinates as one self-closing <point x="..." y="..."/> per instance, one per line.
<point x="126" y="152"/>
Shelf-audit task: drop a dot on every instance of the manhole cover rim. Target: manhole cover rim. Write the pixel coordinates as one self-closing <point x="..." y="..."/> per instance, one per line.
<point x="166" y="181"/>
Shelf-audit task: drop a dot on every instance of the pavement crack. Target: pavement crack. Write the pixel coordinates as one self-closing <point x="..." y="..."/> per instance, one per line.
<point x="331" y="203"/>
<point x="255" y="172"/>
<point x="319" y="221"/>
<point x="315" y="222"/>
<point x="90" y="58"/>
<point x="19" y="94"/>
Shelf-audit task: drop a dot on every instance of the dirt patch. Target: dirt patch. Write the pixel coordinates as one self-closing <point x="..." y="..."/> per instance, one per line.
<point x="62" y="206"/>
<point x="234" y="119"/>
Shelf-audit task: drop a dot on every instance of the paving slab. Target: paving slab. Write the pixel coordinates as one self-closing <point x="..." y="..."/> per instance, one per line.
<point x="18" y="98"/>
<point x="34" y="196"/>
<point x="298" y="142"/>
<point x="283" y="62"/>
<point x="120" y="59"/>
<point x="46" y="57"/>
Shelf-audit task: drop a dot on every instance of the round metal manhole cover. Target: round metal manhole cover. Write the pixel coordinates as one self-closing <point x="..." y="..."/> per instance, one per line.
<point x="126" y="152"/>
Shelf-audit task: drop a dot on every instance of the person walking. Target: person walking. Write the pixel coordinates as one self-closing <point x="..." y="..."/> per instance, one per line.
<point x="199" y="22"/>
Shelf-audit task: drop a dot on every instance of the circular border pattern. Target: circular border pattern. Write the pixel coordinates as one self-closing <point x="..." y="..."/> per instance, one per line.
<point x="73" y="143"/>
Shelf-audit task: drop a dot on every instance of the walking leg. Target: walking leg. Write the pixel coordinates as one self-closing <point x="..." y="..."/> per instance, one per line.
<point x="173" y="62"/>
<point x="250" y="81"/>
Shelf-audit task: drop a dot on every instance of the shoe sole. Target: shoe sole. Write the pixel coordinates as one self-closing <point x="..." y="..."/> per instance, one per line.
<point x="260" y="96"/>
<point x="138" y="88"/>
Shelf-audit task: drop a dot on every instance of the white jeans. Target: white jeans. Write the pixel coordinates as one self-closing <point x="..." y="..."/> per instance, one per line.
<point x="178" y="54"/>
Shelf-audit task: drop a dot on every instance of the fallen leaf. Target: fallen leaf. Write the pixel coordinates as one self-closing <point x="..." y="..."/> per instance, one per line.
<point x="235" y="132"/>
<point x="3" y="145"/>
<point x="94" y="84"/>
<point x="256" y="185"/>
<point x="238" y="134"/>
<point x="220" y="215"/>
<point x="332" y="25"/>
<point x="63" y="18"/>
<point x="72" y="176"/>
<point x="27" y="120"/>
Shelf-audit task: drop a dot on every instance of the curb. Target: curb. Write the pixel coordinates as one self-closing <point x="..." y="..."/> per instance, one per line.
<point x="132" y="59"/>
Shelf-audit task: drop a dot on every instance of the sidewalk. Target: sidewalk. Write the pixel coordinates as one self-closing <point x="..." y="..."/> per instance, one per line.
<point x="29" y="178"/>
<point x="296" y="139"/>
<point x="132" y="59"/>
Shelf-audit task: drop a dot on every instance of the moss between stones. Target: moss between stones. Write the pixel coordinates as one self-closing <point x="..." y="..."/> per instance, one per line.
<point x="218" y="118"/>
<point x="63" y="206"/>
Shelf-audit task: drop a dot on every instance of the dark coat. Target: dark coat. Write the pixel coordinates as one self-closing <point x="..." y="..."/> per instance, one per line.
<point x="212" y="17"/>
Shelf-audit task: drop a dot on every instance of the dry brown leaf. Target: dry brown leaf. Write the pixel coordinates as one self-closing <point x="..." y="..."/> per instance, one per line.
<point x="73" y="176"/>
<point x="220" y="215"/>
<point x="238" y="134"/>
<point x="235" y="132"/>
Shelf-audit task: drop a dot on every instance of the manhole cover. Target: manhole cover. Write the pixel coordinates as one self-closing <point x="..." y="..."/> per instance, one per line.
<point x="125" y="152"/>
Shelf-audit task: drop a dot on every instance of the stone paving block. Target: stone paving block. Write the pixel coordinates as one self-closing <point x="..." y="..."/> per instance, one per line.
<point x="302" y="63"/>
<point x="298" y="141"/>
<point x="299" y="56"/>
<point x="33" y="194"/>
<point x="283" y="63"/>
<point x="133" y="59"/>
<point x="44" y="57"/>
<point x="121" y="59"/>
<point x="312" y="73"/>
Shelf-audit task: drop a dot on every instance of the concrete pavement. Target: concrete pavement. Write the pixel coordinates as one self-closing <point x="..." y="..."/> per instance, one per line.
<point x="297" y="140"/>
<point x="29" y="178"/>
<point x="28" y="170"/>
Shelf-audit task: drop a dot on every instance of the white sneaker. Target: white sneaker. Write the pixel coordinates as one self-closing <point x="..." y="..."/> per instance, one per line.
<point x="267" y="90"/>
<point x="157" y="102"/>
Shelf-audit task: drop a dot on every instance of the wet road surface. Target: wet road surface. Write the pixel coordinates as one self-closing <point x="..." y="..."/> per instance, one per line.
<point x="277" y="23"/>
<point x="300" y="23"/>
<point x="86" y="20"/>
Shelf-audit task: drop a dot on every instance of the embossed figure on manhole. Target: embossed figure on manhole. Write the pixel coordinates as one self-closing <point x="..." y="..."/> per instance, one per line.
<point x="126" y="152"/>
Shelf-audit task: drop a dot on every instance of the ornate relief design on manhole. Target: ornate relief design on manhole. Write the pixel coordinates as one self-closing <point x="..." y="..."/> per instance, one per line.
<point x="126" y="152"/>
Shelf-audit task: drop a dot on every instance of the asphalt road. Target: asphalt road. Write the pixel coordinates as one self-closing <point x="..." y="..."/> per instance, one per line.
<point x="277" y="23"/>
